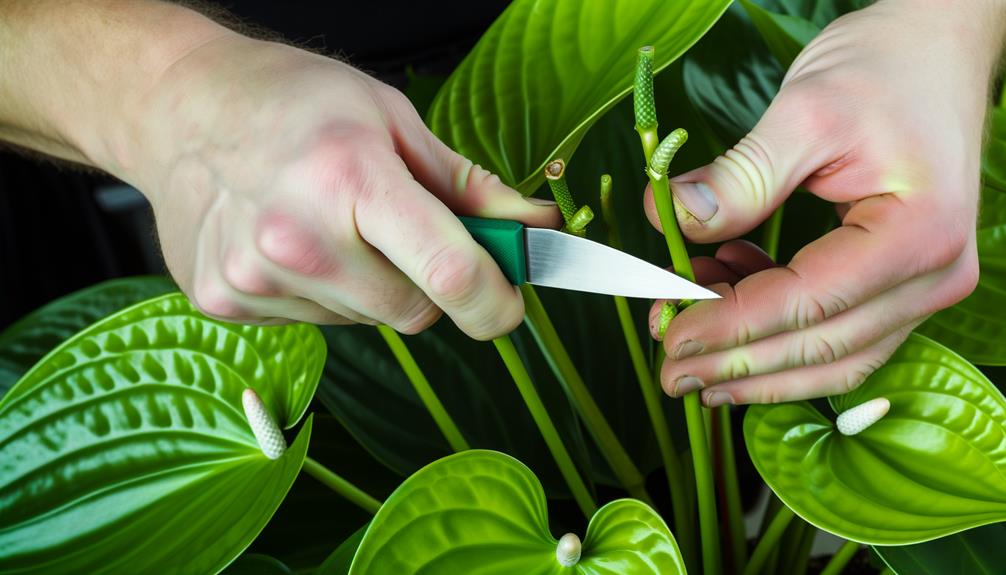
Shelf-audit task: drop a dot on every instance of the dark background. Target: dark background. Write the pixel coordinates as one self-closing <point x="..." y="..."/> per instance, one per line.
<point x="62" y="228"/>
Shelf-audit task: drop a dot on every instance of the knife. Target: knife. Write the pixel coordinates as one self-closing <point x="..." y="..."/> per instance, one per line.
<point x="552" y="258"/>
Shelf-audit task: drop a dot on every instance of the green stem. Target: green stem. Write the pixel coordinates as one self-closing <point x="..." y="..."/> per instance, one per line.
<point x="651" y="397"/>
<point x="565" y="370"/>
<point x="548" y="431"/>
<point x="669" y="223"/>
<point x="773" y="227"/>
<point x="705" y="489"/>
<point x="887" y="571"/>
<point x="769" y="540"/>
<point x="841" y="558"/>
<point x="803" y="549"/>
<point x="423" y="388"/>
<point x="730" y="486"/>
<point x="341" y="486"/>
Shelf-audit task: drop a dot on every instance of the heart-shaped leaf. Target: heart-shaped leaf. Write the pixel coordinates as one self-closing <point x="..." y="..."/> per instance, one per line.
<point x="547" y="69"/>
<point x="27" y="340"/>
<point x="127" y="448"/>
<point x="484" y="512"/>
<point x="977" y="550"/>
<point x="933" y="466"/>
<point x="976" y="327"/>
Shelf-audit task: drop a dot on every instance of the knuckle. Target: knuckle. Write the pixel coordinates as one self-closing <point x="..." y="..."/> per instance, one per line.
<point x="452" y="274"/>
<point x="738" y="366"/>
<point x="419" y="316"/>
<point x="212" y="300"/>
<point x="817" y="349"/>
<point x="341" y="159"/>
<point x="286" y="243"/>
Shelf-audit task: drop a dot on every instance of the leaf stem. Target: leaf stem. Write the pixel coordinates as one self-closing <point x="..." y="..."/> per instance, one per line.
<point x="841" y="558"/>
<point x="548" y="431"/>
<point x="730" y="486"/>
<point x="769" y="540"/>
<point x="705" y="489"/>
<point x="341" y="486"/>
<point x="803" y="548"/>
<point x="565" y="370"/>
<point x="669" y="223"/>
<point x="773" y="228"/>
<point x="423" y="389"/>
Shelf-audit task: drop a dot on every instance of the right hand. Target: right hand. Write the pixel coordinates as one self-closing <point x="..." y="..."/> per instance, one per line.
<point x="290" y="186"/>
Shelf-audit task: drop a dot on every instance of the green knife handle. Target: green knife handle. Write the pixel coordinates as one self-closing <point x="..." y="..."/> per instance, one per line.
<point x="504" y="240"/>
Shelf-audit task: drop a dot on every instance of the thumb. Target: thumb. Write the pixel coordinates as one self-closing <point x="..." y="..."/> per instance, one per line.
<point x="742" y="187"/>
<point x="466" y="188"/>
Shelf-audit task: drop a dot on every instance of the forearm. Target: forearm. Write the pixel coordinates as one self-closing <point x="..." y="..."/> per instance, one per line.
<point x="74" y="76"/>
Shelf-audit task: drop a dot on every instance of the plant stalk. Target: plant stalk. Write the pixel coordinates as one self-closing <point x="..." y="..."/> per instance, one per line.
<point x="803" y="549"/>
<point x="773" y="229"/>
<point x="341" y="486"/>
<point x="730" y="486"/>
<point x="769" y="540"/>
<point x="423" y="388"/>
<point x="565" y="370"/>
<point x="548" y="431"/>
<point x="841" y="558"/>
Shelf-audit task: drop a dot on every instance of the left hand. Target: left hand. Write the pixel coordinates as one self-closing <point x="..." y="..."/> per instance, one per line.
<point x="881" y="114"/>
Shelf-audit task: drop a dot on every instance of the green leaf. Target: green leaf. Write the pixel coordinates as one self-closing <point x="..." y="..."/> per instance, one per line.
<point x="547" y="69"/>
<point x="365" y="388"/>
<point x="27" y="340"/>
<point x="785" y="35"/>
<point x="257" y="564"/>
<point x="484" y="512"/>
<point x="974" y="551"/>
<point x="933" y="466"/>
<point x="127" y="448"/>
<point x="976" y="327"/>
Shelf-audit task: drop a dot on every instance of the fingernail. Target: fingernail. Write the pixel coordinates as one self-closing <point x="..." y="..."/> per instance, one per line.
<point x="698" y="198"/>
<point x="540" y="201"/>
<point x="687" y="384"/>
<point x="717" y="398"/>
<point x="688" y="349"/>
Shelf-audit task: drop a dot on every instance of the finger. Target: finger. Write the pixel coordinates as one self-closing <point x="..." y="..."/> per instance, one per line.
<point x="740" y="189"/>
<point x="845" y="334"/>
<point x="807" y="382"/>
<point x="340" y="272"/>
<point x="885" y="242"/>
<point x="424" y="239"/>
<point x="734" y="261"/>
<point x="464" y="187"/>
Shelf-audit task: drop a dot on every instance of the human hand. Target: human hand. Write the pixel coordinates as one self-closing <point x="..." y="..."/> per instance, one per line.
<point x="290" y="186"/>
<point x="881" y="114"/>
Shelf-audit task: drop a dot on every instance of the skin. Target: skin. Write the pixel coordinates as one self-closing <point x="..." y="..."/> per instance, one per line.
<point x="286" y="186"/>
<point x="883" y="115"/>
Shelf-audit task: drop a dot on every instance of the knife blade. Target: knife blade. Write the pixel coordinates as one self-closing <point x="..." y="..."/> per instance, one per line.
<point x="555" y="259"/>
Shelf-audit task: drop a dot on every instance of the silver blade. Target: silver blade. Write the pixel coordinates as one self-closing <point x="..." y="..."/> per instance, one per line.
<point x="557" y="259"/>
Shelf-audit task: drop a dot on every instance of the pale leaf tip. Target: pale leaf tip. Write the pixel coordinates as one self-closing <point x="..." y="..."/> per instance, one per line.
<point x="567" y="552"/>
<point x="855" y="420"/>
<point x="268" y="435"/>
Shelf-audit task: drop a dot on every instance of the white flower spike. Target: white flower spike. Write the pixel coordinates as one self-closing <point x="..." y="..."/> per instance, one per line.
<point x="855" y="420"/>
<point x="567" y="552"/>
<point x="270" y="438"/>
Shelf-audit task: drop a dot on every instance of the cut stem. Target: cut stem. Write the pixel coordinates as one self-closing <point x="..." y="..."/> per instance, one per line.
<point x="769" y="540"/>
<point x="565" y="370"/>
<point x="841" y="558"/>
<point x="548" y="431"/>
<point x="423" y="389"/>
<point x="341" y="486"/>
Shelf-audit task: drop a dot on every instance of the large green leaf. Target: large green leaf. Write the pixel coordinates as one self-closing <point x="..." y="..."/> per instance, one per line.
<point x="31" y="337"/>
<point x="484" y="512"/>
<point x="784" y="35"/>
<point x="547" y="69"/>
<point x="365" y="388"/>
<point x="975" y="552"/>
<point x="126" y="449"/>
<point x="933" y="466"/>
<point x="976" y="327"/>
